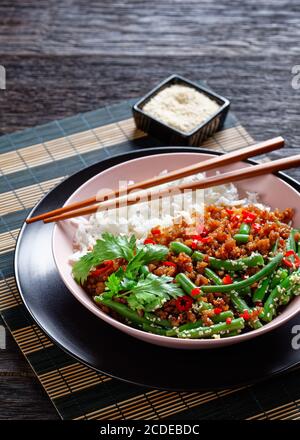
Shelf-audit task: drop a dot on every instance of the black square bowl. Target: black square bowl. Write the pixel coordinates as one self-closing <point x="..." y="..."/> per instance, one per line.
<point x="172" y="136"/>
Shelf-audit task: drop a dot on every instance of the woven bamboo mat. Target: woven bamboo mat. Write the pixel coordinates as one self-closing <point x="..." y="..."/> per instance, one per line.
<point x="31" y="163"/>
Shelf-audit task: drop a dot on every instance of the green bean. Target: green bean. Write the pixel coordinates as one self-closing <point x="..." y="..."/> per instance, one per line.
<point x="221" y="317"/>
<point x="261" y="291"/>
<point x="198" y="256"/>
<point x="144" y="270"/>
<point x="186" y="284"/>
<point x="233" y="333"/>
<point x="211" y="275"/>
<point x="282" y="289"/>
<point x="151" y="317"/>
<point x="290" y="243"/>
<point x="243" y="234"/>
<point x="217" y="280"/>
<point x="285" y="299"/>
<point x="275" y="246"/>
<point x="188" y="326"/>
<point x="245" y="229"/>
<point x="122" y="309"/>
<point x="151" y="328"/>
<point x="177" y="247"/>
<point x="245" y="292"/>
<point x="266" y="270"/>
<point x="231" y="265"/>
<point x="241" y="238"/>
<point x="238" y="303"/>
<point x="191" y="325"/>
<point x="241" y="306"/>
<point x="207" y="332"/>
<point x="279" y="276"/>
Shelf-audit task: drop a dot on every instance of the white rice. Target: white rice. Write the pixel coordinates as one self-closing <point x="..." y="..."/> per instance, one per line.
<point x="141" y="218"/>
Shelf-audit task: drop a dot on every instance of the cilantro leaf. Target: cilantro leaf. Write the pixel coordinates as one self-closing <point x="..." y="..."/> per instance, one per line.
<point x="113" y="283"/>
<point x="108" y="247"/>
<point x="145" y="255"/>
<point x="152" y="292"/>
<point x="154" y="252"/>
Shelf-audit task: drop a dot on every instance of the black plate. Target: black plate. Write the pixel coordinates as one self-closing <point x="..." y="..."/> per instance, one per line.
<point x="106" y="349"/>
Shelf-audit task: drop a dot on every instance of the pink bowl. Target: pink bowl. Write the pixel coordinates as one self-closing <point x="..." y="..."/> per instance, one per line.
<point x="272" y="191"/>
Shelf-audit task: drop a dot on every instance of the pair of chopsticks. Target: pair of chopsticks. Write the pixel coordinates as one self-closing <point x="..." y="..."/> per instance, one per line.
<point x="113" y="199"/>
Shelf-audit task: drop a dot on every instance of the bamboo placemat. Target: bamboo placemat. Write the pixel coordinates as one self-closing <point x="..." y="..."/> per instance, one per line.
<point x="31" y="163"/>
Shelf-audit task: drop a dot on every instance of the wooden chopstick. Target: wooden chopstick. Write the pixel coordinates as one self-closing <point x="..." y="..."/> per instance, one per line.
<point x="234" y="156"/>
<point x="219" y="179"/>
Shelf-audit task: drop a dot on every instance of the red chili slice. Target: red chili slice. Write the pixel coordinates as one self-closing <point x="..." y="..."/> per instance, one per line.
<point x="169" y="263"/>
<point x="235" y="218"/>
<point x="102" y="268"/>
<point x="289" y="253"/>
<point x="229" y="211"/>
<point x="206" y="239"/>
<point x="217" y="310"/>
<point x="194" y="244"/>
<point x="196" y="291"/>
<point x="246" y="315"/>
<point x="184" y="303"/>
<point x="196" y="237"/>
<point x="228" y="321"/>
<point x="149" y="241"/>
<point x="256" y="227"/>
<point x="155" y="231"/>
<point x="287" y="262"/>
<point x="249" y="217"/>
<point x="227" y="279"/>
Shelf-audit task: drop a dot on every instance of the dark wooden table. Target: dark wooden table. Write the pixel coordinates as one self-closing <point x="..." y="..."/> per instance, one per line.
<point x="69" y="56"/>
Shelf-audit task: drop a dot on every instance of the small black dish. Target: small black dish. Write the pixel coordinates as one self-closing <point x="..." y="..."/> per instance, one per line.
<point x="171" y="135"/>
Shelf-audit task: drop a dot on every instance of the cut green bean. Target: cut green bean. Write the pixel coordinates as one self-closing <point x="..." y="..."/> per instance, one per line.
<point x="186" y="284"/>
<point x="241" y="238"/>
<point x="232" y="333"/>
<point x="211" y="275"/>
<point x="221" y="317"/>
<point x="266" y="270"/>
<point x="279" y="276"/>
<point x="151" y="328"/>
<point x="261" y="291"/>
<point x="177" y="247"/>
<point x="290" y="243"/>
<point x="216" y="329"/>
<point x="151" y="317"/>
<point x="275" y="246"/>
<point x="122" y="309"/>
<point x="231" y="265"/>
<point x="282" y="289"/>
<point x="191" y="325"/>
<point x="241" y="306"/>
<point x="245" y="229"/>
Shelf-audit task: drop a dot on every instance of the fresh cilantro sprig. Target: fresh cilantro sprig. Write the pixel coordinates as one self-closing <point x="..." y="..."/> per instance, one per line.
<point x="108" y="247"/>
<point x="152" y="292"/>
